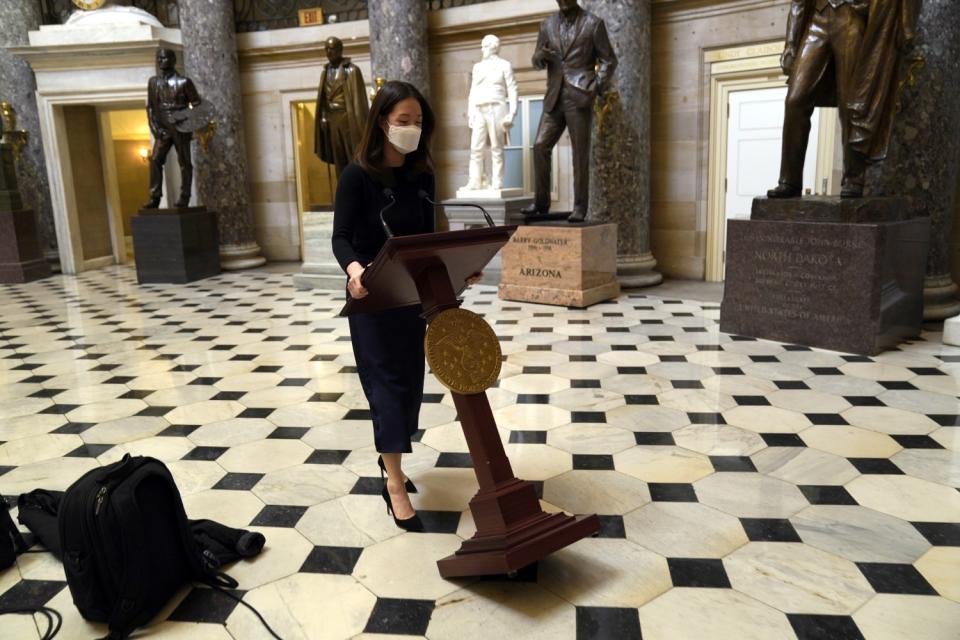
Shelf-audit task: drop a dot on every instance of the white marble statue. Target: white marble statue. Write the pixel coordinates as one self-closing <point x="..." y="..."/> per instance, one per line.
<point x="113" y="16"/>
<point x="492" y="106"/>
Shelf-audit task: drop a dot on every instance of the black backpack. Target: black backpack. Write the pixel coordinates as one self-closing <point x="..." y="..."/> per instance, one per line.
<point x="127" y="546"/>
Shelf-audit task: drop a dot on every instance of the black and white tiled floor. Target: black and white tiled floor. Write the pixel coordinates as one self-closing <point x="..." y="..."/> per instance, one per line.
<point x="747" y="489"/>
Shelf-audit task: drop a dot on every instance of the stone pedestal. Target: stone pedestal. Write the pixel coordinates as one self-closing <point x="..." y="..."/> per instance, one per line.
<point x="320" y="268"/>
<point x="572" y="265"/>
<point x="821" y="272"/>
<point x="474" y="195"/>
<point x="951" y="331"/>
<point x="504" y="211"/>
<point x="175" y="246"/>
<point x="21" y="259"/>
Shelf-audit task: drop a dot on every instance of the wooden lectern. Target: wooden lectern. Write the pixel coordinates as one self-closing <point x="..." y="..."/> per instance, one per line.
<point x="512" y="530"/>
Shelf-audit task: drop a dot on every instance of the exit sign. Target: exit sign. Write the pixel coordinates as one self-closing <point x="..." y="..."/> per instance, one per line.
<point x="309" y="17"/>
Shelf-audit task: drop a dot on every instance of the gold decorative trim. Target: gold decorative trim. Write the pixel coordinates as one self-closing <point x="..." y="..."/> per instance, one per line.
<point x="88" y="5"/>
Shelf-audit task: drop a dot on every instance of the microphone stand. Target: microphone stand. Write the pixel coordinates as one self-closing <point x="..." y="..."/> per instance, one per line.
<point x="426" y="196"/>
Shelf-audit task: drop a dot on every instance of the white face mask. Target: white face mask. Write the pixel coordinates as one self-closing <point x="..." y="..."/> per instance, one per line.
<point x="404" y="139"/>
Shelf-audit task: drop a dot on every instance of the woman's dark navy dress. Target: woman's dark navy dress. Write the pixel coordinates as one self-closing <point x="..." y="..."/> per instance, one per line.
<point x="388" y="345"/>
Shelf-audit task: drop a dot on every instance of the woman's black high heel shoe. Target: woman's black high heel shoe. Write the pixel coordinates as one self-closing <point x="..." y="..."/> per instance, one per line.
<point x="411" y="488"/>
<point x="410" y="524"/>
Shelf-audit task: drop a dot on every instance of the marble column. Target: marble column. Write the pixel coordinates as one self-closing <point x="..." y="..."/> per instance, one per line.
<point x="18" y="86"/>
<point x="398" y="41"/>
<point x="210" y="60"/>
<point x="924" y="158"/>
<point x="620" y="154"/>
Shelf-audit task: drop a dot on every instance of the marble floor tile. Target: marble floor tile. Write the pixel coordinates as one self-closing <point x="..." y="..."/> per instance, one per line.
<point x="55" y="475"/>
<point x="696" y="400"/>
<point x="405" y="566"/>
<point x="124" y="430"/>
<point x="501" y="609"/>
<point x="162" y="448"/>
<point x="531" y="416"/>
<point x="264" y="456"/>
<point x="605" y="573"/>
<point x="282" y="556"/>
<point x="804" y="401"/>
<point x="935" y="465"/>
<point x="308" y="414"/>
<point x="605" y="492"/>
<point x="718" y="440"/>
<point x="908" y="498"/>
<point x="305" y="484"/>
<point x="663" y="464"/>
<point x="750" y="495"/>
<point x="647" y="418"/>
<point x="889" y="420"/>
<point x="718" y="614"/>
<point x="850" y="442"/>
<point x="590" y="439"/>
<point x="305" y="606"/>
<point x="893" y="617"/>
<point x="36" y="449"/>
<point x="684" y="530"/>
<point x="800" y="465"/>
<point x="797" y="577"/>
<point x="232" y="508"/>
<point x="859" y="534"/>
<point x="199" y="413"/>
<point x="231" y="433"/>
<point x="940" y="566"/>
<point x="348" y="521"/>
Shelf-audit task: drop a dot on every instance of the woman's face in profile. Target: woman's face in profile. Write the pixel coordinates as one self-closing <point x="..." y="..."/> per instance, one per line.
<point x="405" y="113"/>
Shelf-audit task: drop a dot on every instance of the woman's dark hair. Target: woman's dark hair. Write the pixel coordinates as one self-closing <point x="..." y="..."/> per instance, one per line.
<point x="370" y="151"/>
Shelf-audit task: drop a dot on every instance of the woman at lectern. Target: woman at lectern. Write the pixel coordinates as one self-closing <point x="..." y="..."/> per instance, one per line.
<point x="393" y="169"/>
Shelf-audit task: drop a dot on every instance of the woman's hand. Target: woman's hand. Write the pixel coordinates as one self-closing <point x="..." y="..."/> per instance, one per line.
<point x="354" y="286"/>
<point x="475" y="278"/>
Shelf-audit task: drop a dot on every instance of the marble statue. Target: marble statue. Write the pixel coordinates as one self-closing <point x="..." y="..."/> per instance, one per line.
<point x="170" y="98"/>
<point x="574" y="48"/>
<point x="342" y="108"/>
<point x="491" y="108"/>
<point x="846" y="54"/>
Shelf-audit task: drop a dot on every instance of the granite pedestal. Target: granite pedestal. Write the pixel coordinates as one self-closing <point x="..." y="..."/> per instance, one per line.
<point x="21" y="259"/>
<point x="845" y="275"/>
<point x="503" y="211"/>
<point x="175" y="246"/>
<point x="573" y="265"/>
<point x="320" y="268"/>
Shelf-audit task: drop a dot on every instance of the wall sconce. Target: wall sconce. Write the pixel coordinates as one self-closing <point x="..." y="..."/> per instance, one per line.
<point x="143" y="153"/>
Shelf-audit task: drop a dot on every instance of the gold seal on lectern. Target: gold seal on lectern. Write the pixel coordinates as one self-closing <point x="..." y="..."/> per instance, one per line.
<point x="463" y="351"/>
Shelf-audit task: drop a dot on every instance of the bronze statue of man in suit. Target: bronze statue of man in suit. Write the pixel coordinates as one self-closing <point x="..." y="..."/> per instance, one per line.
<point x="169" y="98"/>
<point x="846" y="54"/>
<point x="574" y="47"/>
<point x="341" y="108"/>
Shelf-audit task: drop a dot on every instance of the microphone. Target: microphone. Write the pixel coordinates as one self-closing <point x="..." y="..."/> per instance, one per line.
<point x="393" y="200"/>
<point x="426" y="196"/>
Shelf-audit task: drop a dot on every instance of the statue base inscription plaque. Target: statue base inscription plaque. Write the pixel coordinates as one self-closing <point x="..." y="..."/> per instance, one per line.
<point x="175" y="246"/>
<point x="845" y="275"/>
<point x="572" y="265"/>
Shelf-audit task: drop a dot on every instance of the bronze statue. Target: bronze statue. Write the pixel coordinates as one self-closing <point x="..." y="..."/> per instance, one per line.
<point x="846" y="54"/>
<point x="574" y="47"/>
<point x="342" y="108"/>
<point x="170" y="98"/>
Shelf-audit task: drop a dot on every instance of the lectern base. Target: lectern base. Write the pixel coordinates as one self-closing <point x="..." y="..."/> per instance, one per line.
<point x="539" y="539"/>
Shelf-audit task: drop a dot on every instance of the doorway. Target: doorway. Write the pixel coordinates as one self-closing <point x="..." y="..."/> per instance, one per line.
<point x="316" y="180"/>
<point x="747" y="92"/>
<point x="105" y="168"/>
